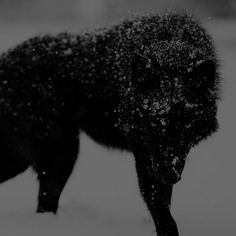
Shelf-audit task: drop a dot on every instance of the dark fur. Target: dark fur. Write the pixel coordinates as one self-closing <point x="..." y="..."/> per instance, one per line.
<point x="148" y="85"/>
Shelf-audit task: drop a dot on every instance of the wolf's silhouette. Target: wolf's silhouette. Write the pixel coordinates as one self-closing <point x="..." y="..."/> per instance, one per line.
<point x="148" y="85"/>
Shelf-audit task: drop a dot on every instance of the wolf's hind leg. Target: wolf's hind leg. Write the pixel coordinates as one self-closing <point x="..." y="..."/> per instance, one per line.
<point x="54" y="170"/>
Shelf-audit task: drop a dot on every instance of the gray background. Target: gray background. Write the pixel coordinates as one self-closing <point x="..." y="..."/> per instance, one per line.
<point x="102" y="196"/>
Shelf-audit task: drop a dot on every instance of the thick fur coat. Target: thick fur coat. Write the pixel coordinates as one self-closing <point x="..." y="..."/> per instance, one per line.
<point x="148" y="85"/>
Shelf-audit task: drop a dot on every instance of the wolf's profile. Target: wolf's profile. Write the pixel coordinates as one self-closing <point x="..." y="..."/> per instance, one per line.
<point x="148" y="85"/>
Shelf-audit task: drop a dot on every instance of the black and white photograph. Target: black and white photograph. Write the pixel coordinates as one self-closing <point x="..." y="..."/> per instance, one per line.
<point x="117" y="117"/>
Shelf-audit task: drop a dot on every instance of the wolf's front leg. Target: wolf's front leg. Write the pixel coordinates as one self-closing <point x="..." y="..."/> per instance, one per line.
<point x="156" y="195"/>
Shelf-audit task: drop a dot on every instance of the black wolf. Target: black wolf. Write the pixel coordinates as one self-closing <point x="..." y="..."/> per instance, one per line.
<point x="148" y="85"/>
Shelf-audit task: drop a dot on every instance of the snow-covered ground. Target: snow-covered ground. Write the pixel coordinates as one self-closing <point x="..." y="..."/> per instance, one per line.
<point x="101" y="197"/>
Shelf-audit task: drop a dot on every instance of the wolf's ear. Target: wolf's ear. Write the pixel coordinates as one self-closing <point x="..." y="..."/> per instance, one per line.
<point x="203" y="76"/>
<point x="143" y="70"/>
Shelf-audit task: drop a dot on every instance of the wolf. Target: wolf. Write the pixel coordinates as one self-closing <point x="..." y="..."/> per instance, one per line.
<point x="148" y="85"/>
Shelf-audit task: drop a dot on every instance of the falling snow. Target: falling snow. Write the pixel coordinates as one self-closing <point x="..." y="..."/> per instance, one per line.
<point x="155" y="97"/>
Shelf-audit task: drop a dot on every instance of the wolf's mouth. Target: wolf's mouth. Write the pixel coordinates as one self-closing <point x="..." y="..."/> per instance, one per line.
<point x="168" y="172"/>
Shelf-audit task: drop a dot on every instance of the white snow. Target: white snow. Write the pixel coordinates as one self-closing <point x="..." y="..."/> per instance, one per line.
<point x="96" y="201"/>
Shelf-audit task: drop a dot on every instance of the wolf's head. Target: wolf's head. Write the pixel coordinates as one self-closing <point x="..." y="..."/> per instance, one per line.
<point x="170" y="104"/>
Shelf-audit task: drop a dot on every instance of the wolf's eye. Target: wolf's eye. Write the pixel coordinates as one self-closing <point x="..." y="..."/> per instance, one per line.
<point x="188" y="125"/>
<point x="200" y="80"/>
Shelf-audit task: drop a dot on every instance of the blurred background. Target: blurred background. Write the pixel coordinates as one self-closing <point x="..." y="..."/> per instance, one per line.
<point x="103" y="10"/>
<point x="27" y="17"/>
<point x="204" y="202"/>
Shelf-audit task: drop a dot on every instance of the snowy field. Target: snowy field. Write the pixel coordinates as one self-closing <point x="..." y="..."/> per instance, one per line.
<point x="101" y="197"/>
